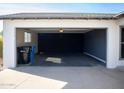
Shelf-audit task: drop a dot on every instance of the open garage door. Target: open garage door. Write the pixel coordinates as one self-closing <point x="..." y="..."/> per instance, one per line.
<point x="66" y="46"/>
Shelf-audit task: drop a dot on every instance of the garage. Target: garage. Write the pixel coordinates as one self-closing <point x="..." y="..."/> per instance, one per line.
<point x="95" y="38"/>
<point x="63" y="46"/>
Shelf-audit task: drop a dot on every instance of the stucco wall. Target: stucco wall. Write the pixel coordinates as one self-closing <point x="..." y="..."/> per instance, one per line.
<point x="121" y="22"/>
<point x="10" y="35"/>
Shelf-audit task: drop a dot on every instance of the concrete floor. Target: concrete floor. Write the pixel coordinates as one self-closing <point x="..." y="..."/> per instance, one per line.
<point x="62" y="77"/>
<point x="65" y="59"/>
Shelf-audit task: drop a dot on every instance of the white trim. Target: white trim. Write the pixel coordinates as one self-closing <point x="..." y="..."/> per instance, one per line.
<point x="95" y="57"/>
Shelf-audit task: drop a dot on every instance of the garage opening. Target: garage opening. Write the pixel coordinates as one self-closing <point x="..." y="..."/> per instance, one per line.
<point x="61" y="46"/>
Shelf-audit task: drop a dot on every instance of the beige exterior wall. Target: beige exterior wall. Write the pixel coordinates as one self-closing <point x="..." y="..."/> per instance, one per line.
<point x="121" y="21"/>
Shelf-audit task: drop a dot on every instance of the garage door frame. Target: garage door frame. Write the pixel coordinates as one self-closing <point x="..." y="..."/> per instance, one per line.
<point x="106" y="29"/>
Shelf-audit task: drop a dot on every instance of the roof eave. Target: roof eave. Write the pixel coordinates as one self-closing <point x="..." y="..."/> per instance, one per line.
<point x="59" y="18"/>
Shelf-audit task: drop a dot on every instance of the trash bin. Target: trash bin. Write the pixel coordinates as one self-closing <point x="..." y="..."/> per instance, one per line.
<point x="32" y="54"/>
<point x="23" y="54"/>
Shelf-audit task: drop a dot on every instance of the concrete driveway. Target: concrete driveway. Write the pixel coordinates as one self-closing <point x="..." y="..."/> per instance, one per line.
<point x="61" y="77"/>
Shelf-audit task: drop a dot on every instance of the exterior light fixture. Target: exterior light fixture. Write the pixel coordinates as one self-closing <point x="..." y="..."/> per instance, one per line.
<point x="61" y="30"/>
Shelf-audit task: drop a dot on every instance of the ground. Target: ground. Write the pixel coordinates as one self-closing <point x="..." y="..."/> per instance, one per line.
<point x="1" y="51"/>
<point x="62" y="77"/>
<point x="1" y="46"/>
<point x="1" y="64"/>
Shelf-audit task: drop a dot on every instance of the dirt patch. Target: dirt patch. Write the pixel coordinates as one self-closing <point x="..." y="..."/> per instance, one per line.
<point x="1" y="64"/>
<point x="1" y="61"/>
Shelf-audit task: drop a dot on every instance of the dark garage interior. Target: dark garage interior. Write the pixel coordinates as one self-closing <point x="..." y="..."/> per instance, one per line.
<point x="71" y="48"/>
<point x="122" y="43"/>
<point x="73" y="45"/>
<point x="60" y="42"/>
